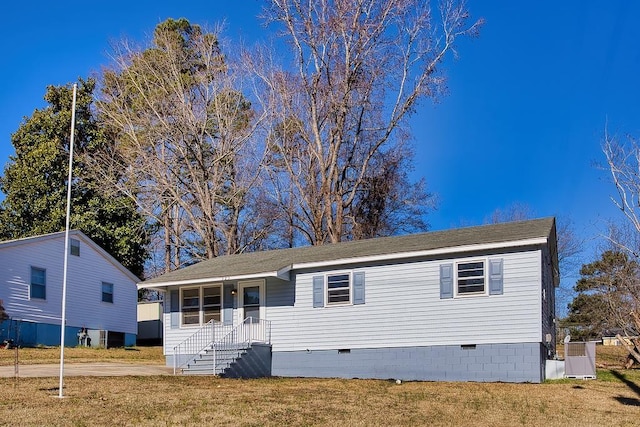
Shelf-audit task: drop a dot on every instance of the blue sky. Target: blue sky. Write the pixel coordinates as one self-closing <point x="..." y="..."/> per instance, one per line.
<point x="522" y="123"/>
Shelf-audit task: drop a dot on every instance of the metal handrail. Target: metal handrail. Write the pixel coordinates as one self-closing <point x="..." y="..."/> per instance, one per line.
<point x="249" y="331"/>
<point x="198" y="342"/>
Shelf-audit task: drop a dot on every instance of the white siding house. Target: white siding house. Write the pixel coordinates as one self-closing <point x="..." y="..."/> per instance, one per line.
<point x="101" y="293"/>
<point x="471" y="304"/>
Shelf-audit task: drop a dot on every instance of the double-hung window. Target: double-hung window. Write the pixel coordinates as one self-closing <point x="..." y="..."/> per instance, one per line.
<point x="471" y="278"/>
<point x="74" y="247"/>
<point x="107" y="292"/>
<point x="338" y="288"/>
<point x="38" y="288"/>
<point x="211" y="303"/>
<point x="200" y="305"/>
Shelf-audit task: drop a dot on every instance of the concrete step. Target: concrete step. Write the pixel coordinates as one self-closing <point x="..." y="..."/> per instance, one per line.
<point x="203" y="364"/>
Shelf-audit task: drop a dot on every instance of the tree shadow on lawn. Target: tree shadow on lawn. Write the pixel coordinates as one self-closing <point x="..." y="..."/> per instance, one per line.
<point x="629" y="401"/>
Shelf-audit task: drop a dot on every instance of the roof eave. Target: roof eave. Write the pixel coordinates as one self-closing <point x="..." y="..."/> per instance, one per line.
<point x="282" y="274"/>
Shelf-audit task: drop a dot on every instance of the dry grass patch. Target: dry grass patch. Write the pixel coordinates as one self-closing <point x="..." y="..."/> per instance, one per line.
<point x="182" y="400"/>
<point x="41" y="355"/>
<point x="611" y="356"/>
<point x="612" y="399"/>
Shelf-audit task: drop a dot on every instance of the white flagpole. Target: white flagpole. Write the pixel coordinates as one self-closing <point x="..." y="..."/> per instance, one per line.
<point x="63" y="321"/>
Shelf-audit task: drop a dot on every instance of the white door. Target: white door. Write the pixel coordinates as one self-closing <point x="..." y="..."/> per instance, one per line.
<point x="251" y="300"/>
<point x="251" y="305"/>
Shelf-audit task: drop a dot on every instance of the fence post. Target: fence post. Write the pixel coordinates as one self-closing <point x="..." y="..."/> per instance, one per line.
<point x="175" y="356"/>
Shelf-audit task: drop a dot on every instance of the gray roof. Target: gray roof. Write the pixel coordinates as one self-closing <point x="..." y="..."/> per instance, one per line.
<point x="256" y="263"/>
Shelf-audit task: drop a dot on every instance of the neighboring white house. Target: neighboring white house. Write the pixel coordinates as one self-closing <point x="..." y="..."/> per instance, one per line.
<point x="101" y="293"/>
<point x="469" y="304"/>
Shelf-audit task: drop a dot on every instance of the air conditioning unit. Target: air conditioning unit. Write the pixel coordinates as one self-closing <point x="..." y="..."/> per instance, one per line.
<point x="97" y="338"/>
<point x="580" y="360"/>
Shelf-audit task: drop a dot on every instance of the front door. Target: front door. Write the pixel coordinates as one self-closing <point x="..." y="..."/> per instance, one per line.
<point x="251" y="311"/>
<point x="251" y="300"/>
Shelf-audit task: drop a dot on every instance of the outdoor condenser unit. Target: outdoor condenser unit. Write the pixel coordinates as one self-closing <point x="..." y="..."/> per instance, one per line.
<point x="580" y="360"/>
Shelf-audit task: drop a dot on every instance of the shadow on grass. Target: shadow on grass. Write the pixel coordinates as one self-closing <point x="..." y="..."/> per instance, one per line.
<point x="629" y="401"/>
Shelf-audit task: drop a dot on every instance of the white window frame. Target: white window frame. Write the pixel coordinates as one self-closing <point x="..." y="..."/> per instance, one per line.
<point x="201" y="306"/>
<point x="103" y="293"/>
<point x="249" y="284"/>
<point x="43" y="285"/>
<point x="349" y="274"/>
<point x="485" y="279"/>
<point x="74" y="246"/>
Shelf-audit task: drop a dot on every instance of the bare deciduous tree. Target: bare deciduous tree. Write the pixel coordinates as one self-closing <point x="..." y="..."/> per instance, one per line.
<point x="569" y="243"/>
<point x="514" y="212"/>
<point x="623" y="164"/>
<point x="183" y="133"/>
<point x="359" y="70"/>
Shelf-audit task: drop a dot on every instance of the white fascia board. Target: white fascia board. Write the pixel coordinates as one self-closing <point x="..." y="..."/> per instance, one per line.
<point x="218" y="279"/>
<point x="425" y="253"/>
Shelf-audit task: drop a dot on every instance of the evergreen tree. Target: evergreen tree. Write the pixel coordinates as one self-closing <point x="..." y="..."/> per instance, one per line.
<point x="35" y="181"/>
<point x="607" y="295"/>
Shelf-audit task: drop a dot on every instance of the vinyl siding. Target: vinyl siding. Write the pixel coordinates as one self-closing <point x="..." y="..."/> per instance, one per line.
<point x="548" y="304"/>
<point x="177" y="334"/>
<point x="84" y="306"/>
<point x="403" y="308"/>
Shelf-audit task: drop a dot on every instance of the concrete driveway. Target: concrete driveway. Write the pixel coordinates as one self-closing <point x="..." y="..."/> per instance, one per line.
<point x="85" y="369"/>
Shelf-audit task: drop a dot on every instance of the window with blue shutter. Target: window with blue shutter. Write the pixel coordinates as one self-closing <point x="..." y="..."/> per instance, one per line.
<point x="318" y="291"/>
<point x="496" y="276"/>
<point x="446" y="281"/>
<point x="358" y="287"/>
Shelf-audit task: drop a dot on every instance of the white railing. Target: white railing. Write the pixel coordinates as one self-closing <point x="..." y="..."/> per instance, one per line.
<point x="245" y="334"/>
<point x="250" y="331"/>
<point x="198" y="342"/>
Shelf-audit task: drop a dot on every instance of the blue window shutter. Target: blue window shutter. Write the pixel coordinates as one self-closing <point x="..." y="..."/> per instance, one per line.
<point x="174" y="300"/>
<point x="318" y="291"/>
<point x="495" y="276"/>
<point x="446" y="281"/>
<point x="358" y="287"/>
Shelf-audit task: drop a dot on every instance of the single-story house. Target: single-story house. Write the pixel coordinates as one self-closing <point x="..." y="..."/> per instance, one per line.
<point x="468" y="304"/>
<point x="101" y="296"/>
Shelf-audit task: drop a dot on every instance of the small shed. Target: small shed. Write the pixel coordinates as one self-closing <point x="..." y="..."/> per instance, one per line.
<point x="149" y="323"/>
<point x="580" y="360"/>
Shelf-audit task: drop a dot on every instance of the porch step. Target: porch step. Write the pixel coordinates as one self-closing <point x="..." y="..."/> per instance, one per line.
<point x="239" y="362"/>
<point x="203" y="363"/>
